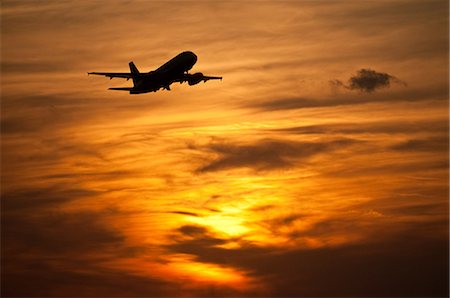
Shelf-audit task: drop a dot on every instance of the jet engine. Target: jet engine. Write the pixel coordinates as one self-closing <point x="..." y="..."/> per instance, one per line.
<point x="195" y="78"/>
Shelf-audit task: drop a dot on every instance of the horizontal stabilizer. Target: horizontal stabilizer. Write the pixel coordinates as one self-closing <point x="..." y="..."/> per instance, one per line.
<point x="122" y="88"/>
<point x="123" y="75"/>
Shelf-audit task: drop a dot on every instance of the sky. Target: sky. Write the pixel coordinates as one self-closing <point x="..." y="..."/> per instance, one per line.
<point x="318" y="166"/>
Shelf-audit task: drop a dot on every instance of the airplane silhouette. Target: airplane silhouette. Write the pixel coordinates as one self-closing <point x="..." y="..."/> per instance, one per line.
<point x="173" y="71"/>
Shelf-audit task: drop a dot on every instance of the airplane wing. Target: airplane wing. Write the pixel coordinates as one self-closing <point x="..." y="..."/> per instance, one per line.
<point x="206" y="78"/>
<point x="122" y="88"/>
<point x="123" y="75"/>
<point x="195" y="78"/>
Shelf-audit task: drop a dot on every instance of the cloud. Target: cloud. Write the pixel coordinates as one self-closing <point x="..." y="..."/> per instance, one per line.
<point x="48" y="252"/>
<point x="185" y="213"/>
<point x="200" y="236"/>
<point x="78" y="233"/>
<point x="38" y="112"/>
<point x="431" y="144"/>
<point x="368" y="80"/>
<point x="289" y="219"/>
<point x="67" y="143"/>
<point x="191" y="230"/>
<point x="20" y="67"/>
<point x="411" y="95"/>
<point x="393" y="263"/>
<point x="384" y="127"/>
<point x="56" y="277"/>
<point x="33" y="221"/>
<point x="267" y="154"/>
<point x="35" y="199"/>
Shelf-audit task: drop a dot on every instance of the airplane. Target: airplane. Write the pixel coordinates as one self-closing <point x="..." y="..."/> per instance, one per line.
<point x="173" y="71"/>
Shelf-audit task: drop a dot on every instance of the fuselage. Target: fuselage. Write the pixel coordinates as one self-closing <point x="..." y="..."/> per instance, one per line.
<point x="165" y="74"/>
<point x="179" y="64"/>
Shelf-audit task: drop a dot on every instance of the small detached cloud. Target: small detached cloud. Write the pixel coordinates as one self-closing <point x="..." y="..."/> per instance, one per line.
<point x="368" y="80"/>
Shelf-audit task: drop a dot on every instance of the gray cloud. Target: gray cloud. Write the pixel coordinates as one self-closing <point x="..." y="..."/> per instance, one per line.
<point x="368" y="80"/>
<point x="267" y="154"/>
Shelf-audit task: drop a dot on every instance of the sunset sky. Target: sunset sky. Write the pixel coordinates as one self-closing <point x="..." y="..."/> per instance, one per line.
<point x="293" y="176"/>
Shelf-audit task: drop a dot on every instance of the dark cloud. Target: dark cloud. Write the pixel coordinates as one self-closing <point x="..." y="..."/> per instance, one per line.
<point x="199" y="237"/>
<point x="287" y="220"/>
<point x="426" y="144"/>
<point x="267" y="154"/>
<point x="32" y="221"/>
<point x="368" y="80"/>
<point x="190" y="230"/>
<point x="99" y="175"/>
<point x="399" y="263"/>
<point x="47" y="252"/>
<point x="439" y="93"/>
<point x="35" y="199"/>
<point x="399" y="167"/>
<point x="384" y="127"/>
<point x="278" y="224"/>
<point x="430" y="209"/>
<point x="185" y="213"/>
<point x="291" y="103"/>
<point x="420" y="200"/>
<point x="39" y="278"/>
<point x="58" y="234"/>
<point x="262" y="208"/>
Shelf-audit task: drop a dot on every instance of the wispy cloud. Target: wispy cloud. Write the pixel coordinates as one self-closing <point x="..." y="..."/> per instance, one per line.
<point x="378" y="127"/>
<point x="427" y="145"/>
<point x="335" y="100"/>
<point x="267" y="154"/>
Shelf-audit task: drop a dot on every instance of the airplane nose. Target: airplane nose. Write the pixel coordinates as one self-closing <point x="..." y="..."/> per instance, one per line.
<point x="192" y="56"/>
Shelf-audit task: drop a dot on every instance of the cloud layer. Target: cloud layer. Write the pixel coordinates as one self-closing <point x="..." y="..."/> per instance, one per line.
<point x="288" y="187"/>
<point x="389" y="264"/>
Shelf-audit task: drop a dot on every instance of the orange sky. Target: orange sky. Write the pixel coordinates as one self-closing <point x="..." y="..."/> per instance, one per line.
<point x="272" y="182"/>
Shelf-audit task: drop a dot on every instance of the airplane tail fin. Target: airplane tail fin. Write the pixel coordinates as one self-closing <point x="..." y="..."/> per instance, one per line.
<point x="134" y="72"/>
